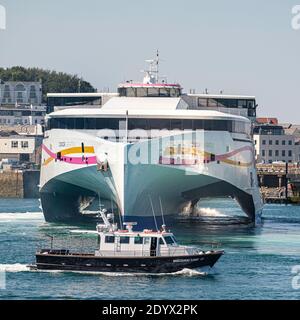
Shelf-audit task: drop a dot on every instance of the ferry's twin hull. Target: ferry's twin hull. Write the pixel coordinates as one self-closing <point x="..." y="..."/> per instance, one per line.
<point x="151" y="175"/>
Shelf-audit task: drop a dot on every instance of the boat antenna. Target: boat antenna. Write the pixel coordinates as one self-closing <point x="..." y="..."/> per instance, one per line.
<point x="153" y="212"/>
<point x="157" y="65"/>
<point x="162" y="211"/>
<point x="112" y="210"/>
<point x="99" y="200"/>
<point x="51" y="240"/>
<point x="120" y="218"/>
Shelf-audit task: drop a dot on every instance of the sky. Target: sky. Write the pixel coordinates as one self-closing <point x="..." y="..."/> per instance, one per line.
<point x="238" y="46"/>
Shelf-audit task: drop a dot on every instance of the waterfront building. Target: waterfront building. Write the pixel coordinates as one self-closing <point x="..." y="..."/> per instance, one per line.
<point x="20" y="148"/>
<point x="22" y="115"/>
<point x="273" y="144"/>
<point x="20" y="93"/>
<point x="21" y="103"/>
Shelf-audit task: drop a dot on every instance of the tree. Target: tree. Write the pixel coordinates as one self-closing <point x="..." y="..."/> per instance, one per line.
<point x="52" y="81"/>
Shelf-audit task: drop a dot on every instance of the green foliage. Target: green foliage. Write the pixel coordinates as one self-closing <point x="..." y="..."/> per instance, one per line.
<point x="52" y="81"/>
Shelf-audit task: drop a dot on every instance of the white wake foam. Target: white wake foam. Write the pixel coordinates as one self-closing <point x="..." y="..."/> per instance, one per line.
<point x="17" y="267"/>
<point x="184" y="272"/>
<point x="207" y="212"/>
<point x="14" y="216"/>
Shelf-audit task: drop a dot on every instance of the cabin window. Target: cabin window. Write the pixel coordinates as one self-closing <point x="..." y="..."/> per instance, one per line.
<point x="169" y="240"/>
<point x="146" y="240"/>
<point x="212" y="103"/>
<point x="109" y="239"/>
<point x="161" y="241"/>
<point x="202" y="102"/>
<point x="124" y="240"/>
<point x="138" y="240"/>
<point x="153" y="92"/>
<point x="242" y="104"/>
<point x="174" y="239"/>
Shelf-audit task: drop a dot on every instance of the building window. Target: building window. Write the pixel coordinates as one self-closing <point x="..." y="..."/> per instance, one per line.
<point x="263" y="153"/>
<point x="24" y="144"/>
<point x="277" y="142"/>
<point x="283" y="153"/>
<point x="255" y="142"/>
<point x="283" y="142"/>
<point x="290" y="142"/>
<point x="14" y="144"/>
<point x="270" y="142"/>
<point x="264" y="142"/>
<point x="276" y="153"/>
<point x="290" y="153"/>
<point x="270" y="153"/>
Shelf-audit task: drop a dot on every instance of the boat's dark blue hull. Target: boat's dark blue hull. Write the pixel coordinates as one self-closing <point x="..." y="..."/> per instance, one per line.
<point x="92" y="263"/>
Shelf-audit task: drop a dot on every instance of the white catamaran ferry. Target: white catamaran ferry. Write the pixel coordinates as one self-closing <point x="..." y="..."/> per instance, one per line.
<point x="148" y="144"/>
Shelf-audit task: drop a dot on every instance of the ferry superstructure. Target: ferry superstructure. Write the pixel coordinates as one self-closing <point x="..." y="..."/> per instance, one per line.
<point x="149" y="148"/>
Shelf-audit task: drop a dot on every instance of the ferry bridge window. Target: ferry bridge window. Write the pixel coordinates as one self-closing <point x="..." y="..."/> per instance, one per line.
<point x="131" y="92"/>
<point x="109" y="239"/>
<point x="174" y="92"/>
<point x="251" y="113"/>
<point x="212" y="103"/>
<point x="164" y="92"/>
<point x="202" y="102"/>
<point x="153" y="92"/>
<point x="227" y="103"/>
<point x="242" y="104"/>
<point x="250" y="104"/>
<point x="141" y="92"/>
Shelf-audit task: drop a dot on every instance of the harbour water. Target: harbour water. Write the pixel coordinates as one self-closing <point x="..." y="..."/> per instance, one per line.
<point x="257" y="264"/>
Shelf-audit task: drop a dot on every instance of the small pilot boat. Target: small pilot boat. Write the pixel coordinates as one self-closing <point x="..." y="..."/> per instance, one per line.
<point x="126" y="250"/>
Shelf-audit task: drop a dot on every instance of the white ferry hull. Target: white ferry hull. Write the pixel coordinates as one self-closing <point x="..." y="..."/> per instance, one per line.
<point x="71" y="183"/>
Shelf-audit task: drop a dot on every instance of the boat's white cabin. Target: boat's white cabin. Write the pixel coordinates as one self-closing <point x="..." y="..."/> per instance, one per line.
<point x="145" y="243"/>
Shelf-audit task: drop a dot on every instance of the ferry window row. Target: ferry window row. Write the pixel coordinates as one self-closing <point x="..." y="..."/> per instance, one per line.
<point x="149" y="92"/>
<point x="227" y="103"/>
<point x="71" y="101"/>
<point x="149" y="124"/>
